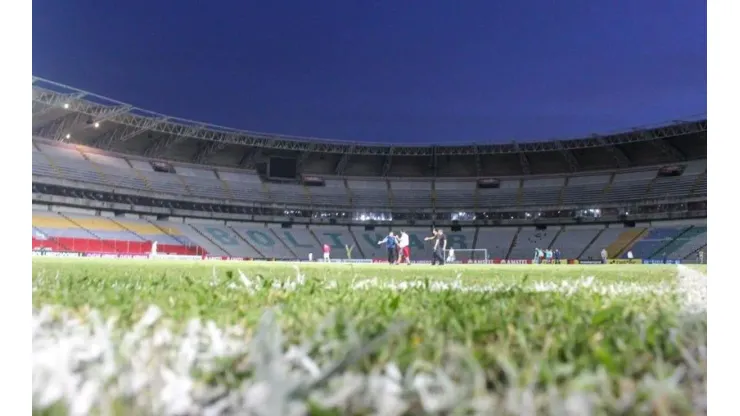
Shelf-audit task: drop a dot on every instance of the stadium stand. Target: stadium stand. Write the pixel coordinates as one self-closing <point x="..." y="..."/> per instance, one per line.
<point x="79" y="164"/>
<point x="98" y="234"/>
<point x="528" y="239"/>
<point x="572" y="240"/>
<point x="449" y="194"/>
<point x="689" y="235"/>
<point x="497" y="240"/>
<point x="652" y="242"/>
<point x="690" y="244"/>
<point x="584" y="194"/>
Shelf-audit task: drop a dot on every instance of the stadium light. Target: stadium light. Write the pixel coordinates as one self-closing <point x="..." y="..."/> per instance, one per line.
<point x="66" y="106"/>
<point x="68" y="136"/>
<point x="96" y="125"/>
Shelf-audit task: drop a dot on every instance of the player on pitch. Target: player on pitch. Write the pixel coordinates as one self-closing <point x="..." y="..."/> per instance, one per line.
<point x="404" y="251"/>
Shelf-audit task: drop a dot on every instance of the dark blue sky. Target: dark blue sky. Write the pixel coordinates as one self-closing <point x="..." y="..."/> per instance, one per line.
<point x="387" y="71"/>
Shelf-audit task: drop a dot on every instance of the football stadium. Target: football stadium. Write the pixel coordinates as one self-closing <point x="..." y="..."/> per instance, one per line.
<point x="186" y="268"/>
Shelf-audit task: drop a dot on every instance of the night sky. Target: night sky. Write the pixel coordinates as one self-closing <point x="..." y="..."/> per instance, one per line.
<point x="387" y="71"/>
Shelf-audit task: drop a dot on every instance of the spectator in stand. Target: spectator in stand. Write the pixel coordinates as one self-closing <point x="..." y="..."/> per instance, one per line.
<point x="327" y="253"/>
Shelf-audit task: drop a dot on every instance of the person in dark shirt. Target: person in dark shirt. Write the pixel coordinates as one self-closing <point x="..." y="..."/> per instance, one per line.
<point x="390" y="244"/>
<point x="440" y="246"/>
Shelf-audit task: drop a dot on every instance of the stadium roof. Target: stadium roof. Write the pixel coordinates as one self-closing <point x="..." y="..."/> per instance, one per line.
<point x="54" y="103"/>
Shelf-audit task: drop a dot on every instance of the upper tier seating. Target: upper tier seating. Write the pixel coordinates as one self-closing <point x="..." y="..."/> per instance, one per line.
<point x="84" y="165"/>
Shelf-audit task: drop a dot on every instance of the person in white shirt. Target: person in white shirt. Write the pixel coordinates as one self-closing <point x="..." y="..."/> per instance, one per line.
<point x="603" y="256"/>
<point x="451" y="255"/>
<point x="404" y="250"/>
<point x="630" y="255"/>
<point x="154" y="249"/>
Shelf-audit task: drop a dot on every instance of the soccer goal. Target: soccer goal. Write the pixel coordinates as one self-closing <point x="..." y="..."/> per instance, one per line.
<point x="468" y="253"/>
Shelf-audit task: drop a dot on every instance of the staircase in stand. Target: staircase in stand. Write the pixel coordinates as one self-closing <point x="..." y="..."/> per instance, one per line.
<point x="631" y="243"/>
<point x="272" y="230"/>
<point x="349" y="192"/>
<point x="475" y="243"/>
<point x="608" y="187"/>
<point x="662" y="248"/>
<point x="697" y="183"/>
<point x="224" y="185"/>
<point x="184" y="183"/>
<point x="128" y="229"/>
<point x="513" y="242"/>
<point x="53" y="165"/>
<point x="357" y="244"/>
<point x="165" y="232"/>
<point x="520" y="192"/>
<point x="593" y="240"/>
<point x="390" y="193"/>
<point x="95" y="167"/>
<point x="241" y="237"/>
<point x="78" y="225"/>
<point x="147" y="183"/>
<point x="552" y="243"/>
<point x="561" y="194"/>
<point x="693" y="253"/>
<point x="209" y="239"/>
<point x="52" y="239"/>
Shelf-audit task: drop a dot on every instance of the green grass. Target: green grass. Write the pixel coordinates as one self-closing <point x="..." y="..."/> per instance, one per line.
<point x="541" y="329"/>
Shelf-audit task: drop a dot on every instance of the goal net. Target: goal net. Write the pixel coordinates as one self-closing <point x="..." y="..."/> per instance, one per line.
<point x="466" y="254"/>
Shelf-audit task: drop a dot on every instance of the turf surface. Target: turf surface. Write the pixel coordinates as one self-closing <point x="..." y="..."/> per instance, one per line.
<point x="480" y="338"/>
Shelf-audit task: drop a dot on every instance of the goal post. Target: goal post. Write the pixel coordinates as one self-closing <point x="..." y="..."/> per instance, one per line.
<point x="468" y="253"/>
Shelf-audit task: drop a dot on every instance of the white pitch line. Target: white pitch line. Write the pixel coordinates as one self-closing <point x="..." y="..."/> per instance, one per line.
<point x="692" y="286"/>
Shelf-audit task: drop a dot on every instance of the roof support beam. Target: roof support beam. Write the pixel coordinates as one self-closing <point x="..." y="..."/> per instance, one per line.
<point x="523" y="160"/>
<point x="59" y="128"/>
<point x="206" y="149"/>
<point x="573" y="164"/>
<point x="478" y="164"/>
<point x="47" y="94"/>
<point x="342" y="163"/>
<point x="669" y="150"/>
<point x="159" y="145"/>
<point x="388" y="163"/>
<point x="303" y="157"/>
<point x="619" y="157"/>
<point x="433" y="161"/>
<point x="250" y="157"/>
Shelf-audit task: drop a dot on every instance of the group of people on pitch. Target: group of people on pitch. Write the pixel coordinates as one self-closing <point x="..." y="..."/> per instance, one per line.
<point x="399" y="250"/>
<point x="546" y="256"/>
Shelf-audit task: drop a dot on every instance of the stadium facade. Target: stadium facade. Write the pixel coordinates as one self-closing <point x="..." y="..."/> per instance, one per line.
<point x="111" y="178"/>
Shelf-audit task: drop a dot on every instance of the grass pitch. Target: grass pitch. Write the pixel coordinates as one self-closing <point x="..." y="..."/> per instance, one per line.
<point x="282" y="339"/>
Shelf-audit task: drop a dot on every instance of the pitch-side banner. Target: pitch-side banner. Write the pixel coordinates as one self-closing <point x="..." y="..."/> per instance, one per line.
<point x="625" y="261"/>
<point x="529" y="261"/>
<point x="649" y="261"/>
